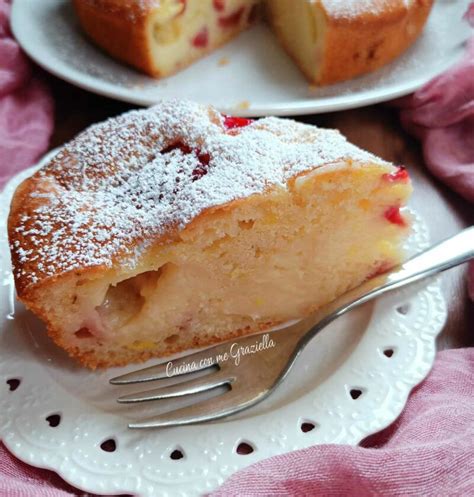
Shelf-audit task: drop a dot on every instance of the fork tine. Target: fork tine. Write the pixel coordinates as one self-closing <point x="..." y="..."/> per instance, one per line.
<point x="222" y="405"/>
<point x="188" y="364"/>
<point x="196" y="385"/>
<point x="157" y="372"/>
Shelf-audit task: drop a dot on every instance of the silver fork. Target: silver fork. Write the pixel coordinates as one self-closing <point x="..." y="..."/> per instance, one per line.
<point x="258" y="374"/>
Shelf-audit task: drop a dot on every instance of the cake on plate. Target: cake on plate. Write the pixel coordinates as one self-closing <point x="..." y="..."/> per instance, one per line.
<point x="176" y="227"/>
<point x="161" y="37"/>
<point x="330" y="40"/>
<point x="336" y="40"/>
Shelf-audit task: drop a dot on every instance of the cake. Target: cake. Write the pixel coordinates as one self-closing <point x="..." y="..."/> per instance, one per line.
<point x="176" y="227"/>
<point x="336" y="40"/>
<point x="330" y="40"/>
<point x="160" y="37"/>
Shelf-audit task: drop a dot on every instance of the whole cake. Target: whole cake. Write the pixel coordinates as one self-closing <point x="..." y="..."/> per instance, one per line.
<point x="330" y="40"/>
<point x="175" y="227"/>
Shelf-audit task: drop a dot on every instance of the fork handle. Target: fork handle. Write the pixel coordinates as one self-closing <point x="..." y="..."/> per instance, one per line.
<point x="445" y="255"/>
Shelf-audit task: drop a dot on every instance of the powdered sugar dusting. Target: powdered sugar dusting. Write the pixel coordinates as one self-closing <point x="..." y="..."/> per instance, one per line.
<point x="355" y="8"/>
<point x="129" y="180"/>
<point x="133" y="11"/>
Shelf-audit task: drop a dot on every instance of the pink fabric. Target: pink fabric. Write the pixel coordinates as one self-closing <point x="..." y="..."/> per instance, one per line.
<point x="20" y="480"/>
<point x="26" y="108"/>
<point x="441" y="115"/>
<point x="26" y="123"/>
<point x="469" y="15"/>
<point x="429" y="451"/>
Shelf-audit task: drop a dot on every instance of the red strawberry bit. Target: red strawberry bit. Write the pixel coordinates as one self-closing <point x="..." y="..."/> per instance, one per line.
<point x="231" y="122"/>
<point x="401" y="174"/>
<point x="381" y="268"/>
<point x="199" y="172"/>
<point x="203" y="167"/>
<point x="232" y="19"/>
<point x="219" y="5"/>
<point x="393" y="215"/>
<point x="201" y="40"/>
<point x="203" y="157"/>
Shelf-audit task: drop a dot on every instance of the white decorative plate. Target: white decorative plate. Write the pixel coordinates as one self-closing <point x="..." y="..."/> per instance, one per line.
<point x="383" y="350"/>
<point x="258" y="73"/>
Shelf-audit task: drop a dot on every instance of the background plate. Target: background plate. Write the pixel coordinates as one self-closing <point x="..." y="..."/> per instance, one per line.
<point x="258" y="72"/>
<point x="348" y="354"/>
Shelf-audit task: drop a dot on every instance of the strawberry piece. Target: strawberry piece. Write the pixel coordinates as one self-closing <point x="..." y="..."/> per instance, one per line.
<point x="232" y="19"/>
<point x="380" y="268"/>
<point x="203" y="167"/>
<point x="393" y="215"/>
<point x="201" y="40"/>
<point x="401" y="174"/>
<point x="231" y="122"/>
<point x="204" y="159"/>
<point x="219" y="5"/>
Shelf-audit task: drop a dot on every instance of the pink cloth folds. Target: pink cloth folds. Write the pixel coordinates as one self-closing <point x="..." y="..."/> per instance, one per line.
<point x="17" y="479"/>
<point x="26" y="123"/>
<point x="429" y="451"/>
<point x="441" y="115"/>
<point x="26" y="107"/>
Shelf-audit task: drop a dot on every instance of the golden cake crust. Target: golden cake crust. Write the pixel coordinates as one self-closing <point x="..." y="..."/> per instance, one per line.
<point x="357" y="36"/>
<point x="125" y="30"/>
<point x="368" y="39"/>
<point x="131" y="10"/>
<point x="120" y="28"/>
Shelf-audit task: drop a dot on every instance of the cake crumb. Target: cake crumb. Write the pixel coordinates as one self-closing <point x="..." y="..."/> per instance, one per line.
<point x="223" y="61"/>
<point x="245" y="104"/>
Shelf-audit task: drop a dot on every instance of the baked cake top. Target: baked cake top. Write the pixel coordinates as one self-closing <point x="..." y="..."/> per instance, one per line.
<point x="123" y="183"/>
<point x="133" y="10"/>
<point x="137" y="9"/>
<point x="355" y="8"/>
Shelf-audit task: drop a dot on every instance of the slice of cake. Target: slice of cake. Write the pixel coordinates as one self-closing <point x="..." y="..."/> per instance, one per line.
<point x="335" y="40"/>
<point x="161" y="37"/>
<point x="175" y="227"/>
